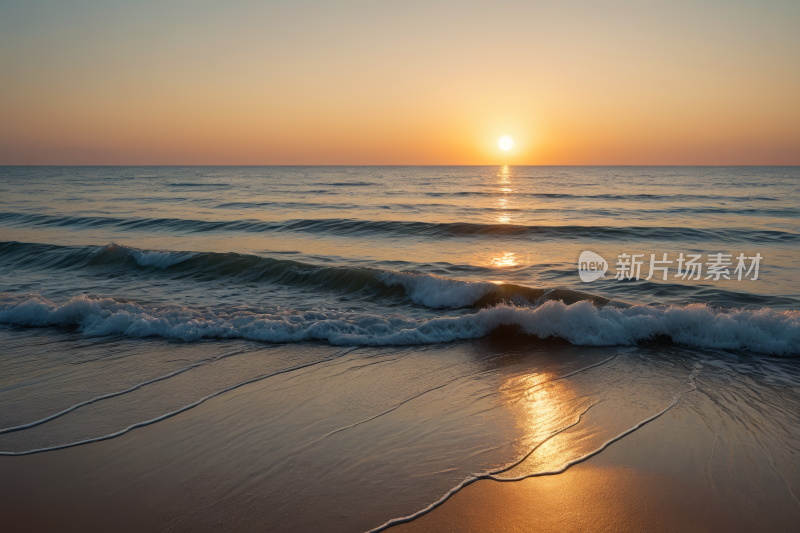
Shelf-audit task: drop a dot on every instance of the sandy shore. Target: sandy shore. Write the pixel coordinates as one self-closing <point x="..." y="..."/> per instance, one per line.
<point x="658" y="479"/>
<point x="585" y="498"/>
<point x="216" y="467"/>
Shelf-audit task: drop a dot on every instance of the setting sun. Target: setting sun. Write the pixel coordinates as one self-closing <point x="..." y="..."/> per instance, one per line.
<point x="506" y="142"/>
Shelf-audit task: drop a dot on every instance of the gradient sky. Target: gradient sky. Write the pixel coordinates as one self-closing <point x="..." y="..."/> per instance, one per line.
<point x="401" y="82"/>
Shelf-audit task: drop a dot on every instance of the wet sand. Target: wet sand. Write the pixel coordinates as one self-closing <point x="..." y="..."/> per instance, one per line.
<point x="655" y="480"/>
<point x="585" y="498"/>
<point x="234" y="464"/>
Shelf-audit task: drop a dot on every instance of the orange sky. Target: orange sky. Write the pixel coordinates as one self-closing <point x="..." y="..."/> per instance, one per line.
<point x="417" y="82"/>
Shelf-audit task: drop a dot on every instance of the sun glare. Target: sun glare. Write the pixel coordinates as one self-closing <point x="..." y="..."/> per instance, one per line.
<point x="506" y="142"/>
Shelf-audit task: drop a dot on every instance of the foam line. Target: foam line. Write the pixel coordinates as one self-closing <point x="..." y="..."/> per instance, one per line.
<point x="113" y="394"/>
<point x="775" y="467"/>
<point x="445" y="384"/>
<point x="473" y="478"/>
<point x="381" y="414"/>
<point x="172" y="413"/>
<point x="492" y="474"/>
<point x="606" y="444"/>
<point x="530" y="452"/>
<point x="604" y="361"/>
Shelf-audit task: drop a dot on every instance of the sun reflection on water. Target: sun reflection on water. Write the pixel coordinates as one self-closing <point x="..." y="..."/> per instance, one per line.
<point x="543" y="405"/>
<point x="505" y="188"/>
<point x="505" y="173"/>
<point x="508" y="259"/>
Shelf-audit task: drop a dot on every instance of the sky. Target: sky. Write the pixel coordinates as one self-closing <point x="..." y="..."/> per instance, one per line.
<point x="357" y="82"/>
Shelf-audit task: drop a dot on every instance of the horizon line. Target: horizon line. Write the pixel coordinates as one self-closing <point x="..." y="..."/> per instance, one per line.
<point x="391" y="165"/>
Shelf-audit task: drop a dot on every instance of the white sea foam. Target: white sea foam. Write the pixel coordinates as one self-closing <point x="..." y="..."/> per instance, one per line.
<point x="151" y="258"/>
<point x="438" y="292"/>
<point x="147" y="258"/>
<point x="764" y="331"/>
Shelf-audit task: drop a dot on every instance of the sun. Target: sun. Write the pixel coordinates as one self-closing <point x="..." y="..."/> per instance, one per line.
<point x="506" y="142"/>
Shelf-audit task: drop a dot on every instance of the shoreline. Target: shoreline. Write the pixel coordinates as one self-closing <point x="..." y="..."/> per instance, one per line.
<point x="646" y="481"/>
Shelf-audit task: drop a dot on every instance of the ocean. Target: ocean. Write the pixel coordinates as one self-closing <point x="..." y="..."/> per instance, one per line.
<point x="335" y="348"/>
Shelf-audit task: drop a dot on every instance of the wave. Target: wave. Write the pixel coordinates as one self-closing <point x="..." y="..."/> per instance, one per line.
<point x="356" y="227"/>
<point x="204" y="185"/>
<point x="428" y="290"/>
<point x="374" y="284"/>
<point x="147" y="258"/>
<point x="631" y="197"/>
<point x="581" y="323"/>
<point x="596" y="212"/>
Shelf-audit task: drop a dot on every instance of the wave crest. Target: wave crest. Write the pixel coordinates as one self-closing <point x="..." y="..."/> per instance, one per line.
<point x="581" y="323"/>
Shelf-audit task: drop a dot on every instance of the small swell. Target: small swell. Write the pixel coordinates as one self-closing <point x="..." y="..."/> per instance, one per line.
<point x="395" y="228"/>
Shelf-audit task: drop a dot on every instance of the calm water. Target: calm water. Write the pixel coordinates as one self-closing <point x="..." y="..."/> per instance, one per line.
<point x="392" y="330"/>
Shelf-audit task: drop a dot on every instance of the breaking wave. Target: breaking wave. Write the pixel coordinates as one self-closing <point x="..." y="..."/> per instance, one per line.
<point x="581" y="323"/>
